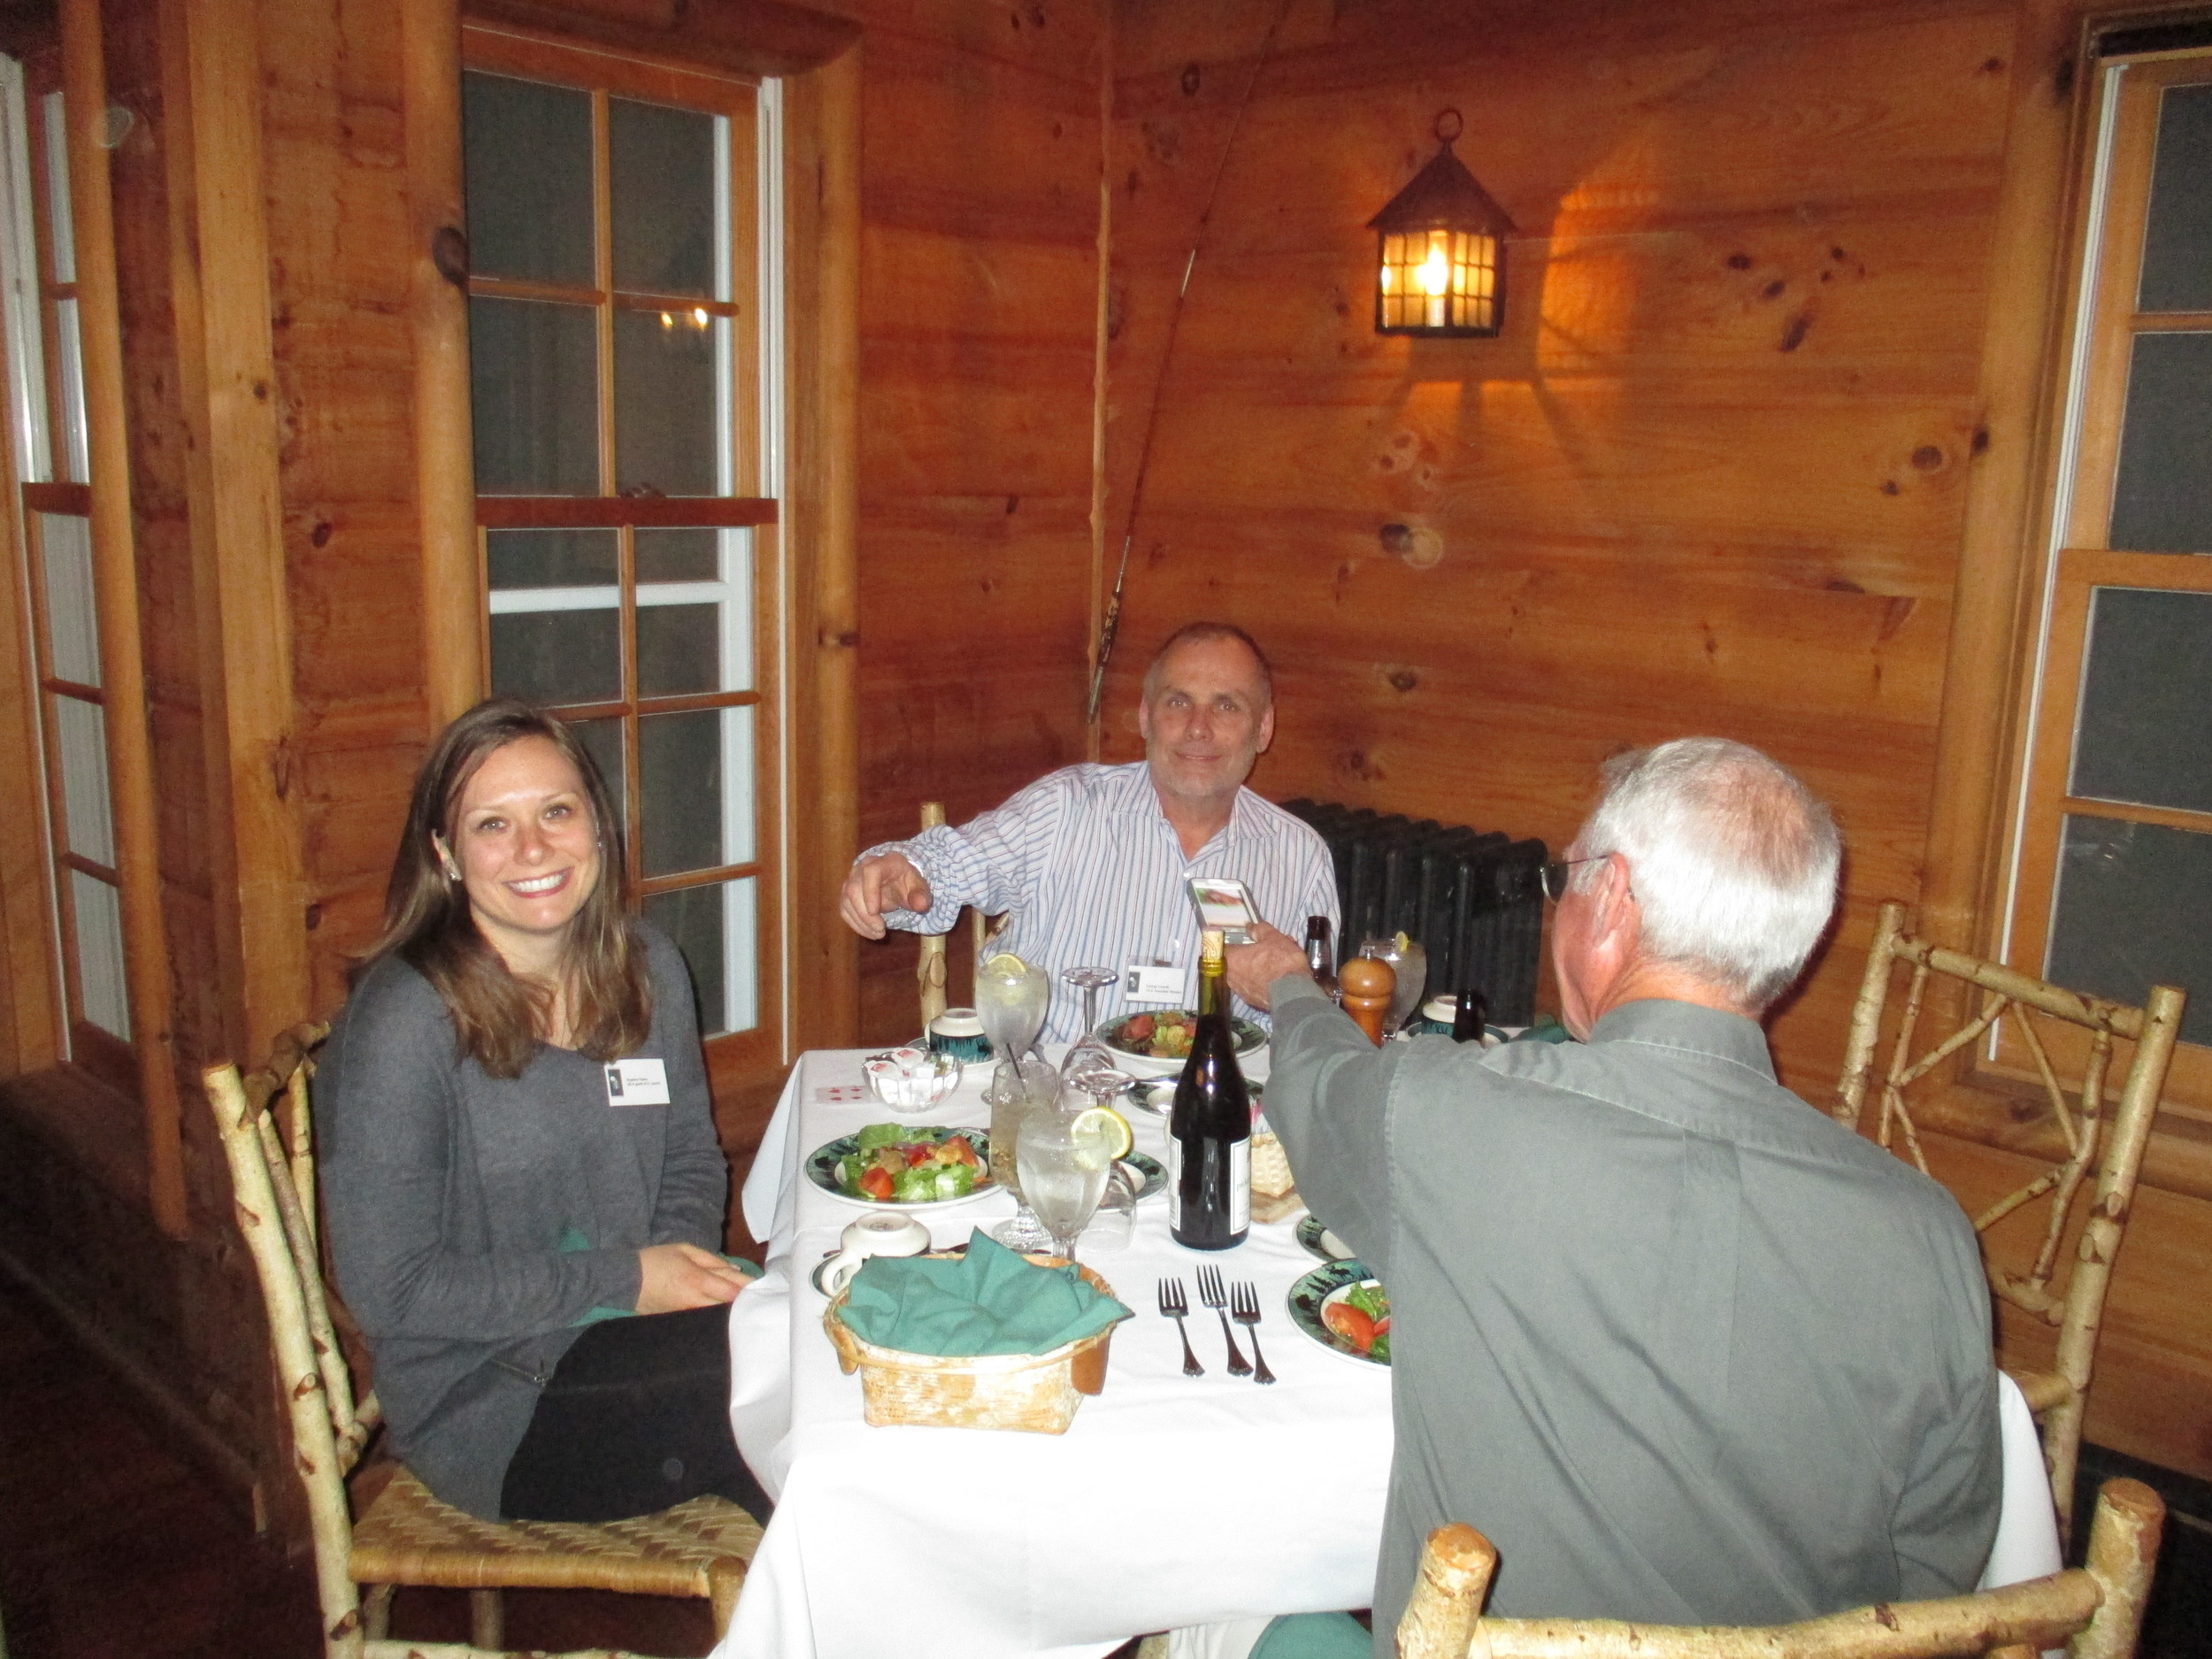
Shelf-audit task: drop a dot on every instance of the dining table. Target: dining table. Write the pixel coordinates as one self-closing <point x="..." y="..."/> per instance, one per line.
<point x="1171" y="1500"/>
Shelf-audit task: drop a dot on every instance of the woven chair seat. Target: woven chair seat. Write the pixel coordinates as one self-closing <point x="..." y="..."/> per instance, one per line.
<point x="409" y="1536"/>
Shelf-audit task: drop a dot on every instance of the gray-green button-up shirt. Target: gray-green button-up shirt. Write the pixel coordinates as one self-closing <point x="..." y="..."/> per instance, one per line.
<point x="1684" y="1348"/>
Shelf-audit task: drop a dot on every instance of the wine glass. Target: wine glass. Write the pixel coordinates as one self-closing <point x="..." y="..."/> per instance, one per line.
<point x="1087" y="1051"/>
<point x="1020" y="1090"/>
<point x="1010" y="996"/>
<point x="1063" y="1174"/>
<point x="1410" y="961"/>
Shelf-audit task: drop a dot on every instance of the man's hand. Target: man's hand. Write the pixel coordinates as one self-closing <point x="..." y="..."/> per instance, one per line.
<point x="888" y="881"/>
<point x="674" y="1277"/>
<point x="1252" y="968"/>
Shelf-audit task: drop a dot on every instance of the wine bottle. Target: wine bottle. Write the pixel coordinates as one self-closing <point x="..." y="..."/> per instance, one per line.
<point x="1471" y="1016"/>
<point x="1319" y="957"/>
<point x="1210" y="1129"/>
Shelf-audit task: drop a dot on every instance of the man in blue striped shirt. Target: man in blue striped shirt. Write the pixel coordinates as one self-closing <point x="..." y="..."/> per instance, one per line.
<point x="1090" y="863"/>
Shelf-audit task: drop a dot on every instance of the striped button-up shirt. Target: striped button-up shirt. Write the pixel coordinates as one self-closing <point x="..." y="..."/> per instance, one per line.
<point x="1091" y="874"/>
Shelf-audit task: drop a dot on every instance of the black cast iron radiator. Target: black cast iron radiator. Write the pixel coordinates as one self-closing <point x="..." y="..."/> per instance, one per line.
<point x="1473" y="898"/>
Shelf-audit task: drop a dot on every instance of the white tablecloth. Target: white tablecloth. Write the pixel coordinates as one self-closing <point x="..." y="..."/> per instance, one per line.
<point x="1171" y="1501"/>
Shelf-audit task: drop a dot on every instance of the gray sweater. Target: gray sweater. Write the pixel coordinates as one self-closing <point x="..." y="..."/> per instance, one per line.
<point x="473" y="1221"/>
<point x="1686" y="1349"/>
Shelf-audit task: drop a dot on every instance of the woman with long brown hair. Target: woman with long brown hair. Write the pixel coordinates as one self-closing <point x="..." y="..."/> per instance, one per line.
<point x="517" y="1150"/>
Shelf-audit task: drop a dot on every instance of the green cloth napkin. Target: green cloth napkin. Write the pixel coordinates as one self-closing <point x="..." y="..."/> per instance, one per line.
<point x="987" y="1302"/>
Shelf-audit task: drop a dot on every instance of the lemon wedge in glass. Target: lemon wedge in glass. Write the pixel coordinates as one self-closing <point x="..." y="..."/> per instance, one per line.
<point x="1100" y="1135"/>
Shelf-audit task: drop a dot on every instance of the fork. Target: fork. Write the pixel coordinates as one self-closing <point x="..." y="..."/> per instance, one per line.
<point x="1244" y="1308"/>
<point x="1173" y="1305"/>
<point x="1210" y="1292"/>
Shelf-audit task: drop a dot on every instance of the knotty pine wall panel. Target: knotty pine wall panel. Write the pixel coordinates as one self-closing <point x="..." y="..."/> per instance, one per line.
<point x="1711" y="479"/>
<point x="980" y="146"/>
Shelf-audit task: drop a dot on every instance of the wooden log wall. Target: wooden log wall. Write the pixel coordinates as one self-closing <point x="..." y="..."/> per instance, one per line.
<point x="1711" y="478"/>
<point x="981" y="156"/>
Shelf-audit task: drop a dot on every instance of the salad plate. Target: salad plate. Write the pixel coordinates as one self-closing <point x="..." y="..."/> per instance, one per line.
<point x="830" y="1165"/>
<point x="1150" y="1173"/>
<point x="1346" y="1282"/>
<point x="1149" y="1046"/>
<point x="1319" y="1240"/>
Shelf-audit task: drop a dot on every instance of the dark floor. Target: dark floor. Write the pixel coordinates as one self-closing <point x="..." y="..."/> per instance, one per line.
<point x="112" y="1546"/>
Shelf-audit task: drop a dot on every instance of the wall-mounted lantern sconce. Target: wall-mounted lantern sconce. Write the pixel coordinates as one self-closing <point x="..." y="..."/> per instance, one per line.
<point x="1443" y="251"/>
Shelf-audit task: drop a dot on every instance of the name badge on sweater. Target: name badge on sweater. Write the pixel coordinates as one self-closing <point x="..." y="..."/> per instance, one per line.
<point x="637" y="1083"/>
<point x="1148" y="982"/>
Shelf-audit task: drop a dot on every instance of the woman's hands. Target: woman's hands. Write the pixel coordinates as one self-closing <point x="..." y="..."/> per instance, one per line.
<point x="674" y="1277"/>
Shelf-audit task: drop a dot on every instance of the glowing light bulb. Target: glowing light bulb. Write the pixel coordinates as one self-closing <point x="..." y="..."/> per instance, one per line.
<point x="699" y="317"/>
<point x="1436" y="275"/>
<point x="667" y="320"/>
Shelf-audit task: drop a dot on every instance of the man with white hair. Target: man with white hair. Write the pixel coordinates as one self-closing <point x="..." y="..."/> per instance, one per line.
<point x="1685" y="1348"/>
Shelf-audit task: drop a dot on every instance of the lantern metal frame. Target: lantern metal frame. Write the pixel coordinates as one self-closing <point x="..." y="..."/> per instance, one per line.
<point x="1445" y="226"/>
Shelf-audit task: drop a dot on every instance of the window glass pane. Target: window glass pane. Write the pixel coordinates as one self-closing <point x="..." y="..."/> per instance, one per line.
<point x="60" y="226"/>
<point x="81" y="733"/>
<point x="696" y="787"/>
<point x="678" y="556"/>
<point x="528" y="168"/>
<point x="558" y="656"/>
<point x="716" y="929"/>
<point x="2162" y="502"/>
<point x="667" y="425"/>
<point x="72" y="620"/>
<point x="2177" y="237"/>
<point x="603" y="742"/>
<point x="552" y="558"/>
<point x="534" y="390"/>
<point x="678" y="650"/>
<point x="2145" y="730"/>
<point x="100" y="980"/>
<point x="75" y="446"/>
<point x="2134" y="910"/>
<point x="668" y="213"/>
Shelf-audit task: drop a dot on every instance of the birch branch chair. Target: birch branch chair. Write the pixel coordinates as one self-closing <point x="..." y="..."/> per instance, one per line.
<point x="929" y="971"/>
<point x="2102" y="1139"/>
<point x="2094" y="1611"/>
<point x="406" y="1537"/>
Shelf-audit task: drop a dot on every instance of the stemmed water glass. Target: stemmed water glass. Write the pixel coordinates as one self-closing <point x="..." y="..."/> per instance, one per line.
<point x="1088" y="1052"/>
<point x="1063" y="1174"/>
<point x="1020" y="1091"/>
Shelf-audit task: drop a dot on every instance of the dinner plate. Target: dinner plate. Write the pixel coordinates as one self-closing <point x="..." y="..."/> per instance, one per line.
<point x="1327" y="1284"/>
<point x="1249" y="1040"/>
<point x="821" y="1169"/>
<point x="1320" y="1241"/>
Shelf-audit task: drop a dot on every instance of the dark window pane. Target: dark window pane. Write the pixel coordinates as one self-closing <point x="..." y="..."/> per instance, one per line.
<point x="2163" y="500"/>
<point x="661" y="178"/>
<point x="603" y="741"/>
<point x="2145" y="730"/>
<point x="679" y="788"/>
<point x="678" y="650"/>
<point x="528" y="171"/>
<point x="552" y="558"/>
<point x="2134" y="910"/>
<point x="665" y="432"/>
<point x="533" y="394"/>
<point x="693" y="918"/>
<point x="558" y="656"/>
<point x="2177" y="236"/>
<point x="676" y="555"/>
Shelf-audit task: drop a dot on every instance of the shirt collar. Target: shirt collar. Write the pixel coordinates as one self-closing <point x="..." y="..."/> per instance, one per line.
<point x="1248" y="817"/>
<point x="1663" y="1022"/>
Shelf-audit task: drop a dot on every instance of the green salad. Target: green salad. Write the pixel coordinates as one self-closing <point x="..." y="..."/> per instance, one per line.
<point x="1360" y="1317"/>
<point x="896" y="1164"/>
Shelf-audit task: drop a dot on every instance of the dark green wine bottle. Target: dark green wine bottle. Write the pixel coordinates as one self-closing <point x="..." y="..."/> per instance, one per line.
<point x="1209" y="1129"/>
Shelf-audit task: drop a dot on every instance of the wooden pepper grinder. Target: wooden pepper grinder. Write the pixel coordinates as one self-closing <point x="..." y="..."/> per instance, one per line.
<point x="1367" y="985"/>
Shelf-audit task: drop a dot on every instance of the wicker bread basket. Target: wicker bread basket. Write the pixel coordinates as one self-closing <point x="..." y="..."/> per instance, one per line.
<point x="1033" y="1392"/>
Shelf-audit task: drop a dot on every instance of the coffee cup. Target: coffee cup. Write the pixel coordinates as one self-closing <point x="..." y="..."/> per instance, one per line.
<point x="883" y="1233"/>
<point x="958" y="1032"/>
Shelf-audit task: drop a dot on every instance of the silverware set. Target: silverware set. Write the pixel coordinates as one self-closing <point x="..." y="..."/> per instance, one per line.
<point x="1240" y="1302"/>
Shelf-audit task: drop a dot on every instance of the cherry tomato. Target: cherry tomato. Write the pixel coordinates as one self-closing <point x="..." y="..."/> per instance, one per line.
<point x="1138" y="1029"/>
<point x="876" y="1183"/>
<point x="920" y="1154"/>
